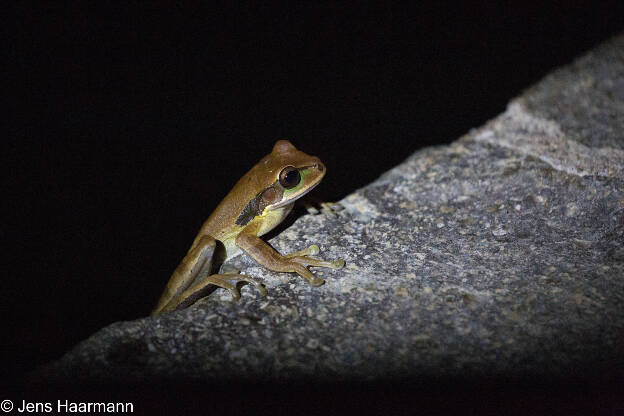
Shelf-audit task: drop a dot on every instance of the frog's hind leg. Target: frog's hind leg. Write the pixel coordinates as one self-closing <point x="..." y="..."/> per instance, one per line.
<point x="199" y="289"/>
<point x="196" y="264"/>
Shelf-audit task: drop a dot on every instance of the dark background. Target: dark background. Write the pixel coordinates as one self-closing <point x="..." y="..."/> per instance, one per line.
<point x="128" y="123"/>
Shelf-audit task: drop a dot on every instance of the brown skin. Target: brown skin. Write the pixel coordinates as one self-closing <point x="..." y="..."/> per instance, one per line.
<point x="258" y="202"/>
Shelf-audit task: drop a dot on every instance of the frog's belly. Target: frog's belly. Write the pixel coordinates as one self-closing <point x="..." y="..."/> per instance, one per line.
<point x="231" y="250"/>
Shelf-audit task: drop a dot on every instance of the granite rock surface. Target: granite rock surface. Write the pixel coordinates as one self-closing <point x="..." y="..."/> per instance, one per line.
<point x="500" y="254"/>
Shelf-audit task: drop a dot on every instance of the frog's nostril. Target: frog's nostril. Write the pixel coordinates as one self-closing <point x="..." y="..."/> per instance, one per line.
<point x="319" y="166"/>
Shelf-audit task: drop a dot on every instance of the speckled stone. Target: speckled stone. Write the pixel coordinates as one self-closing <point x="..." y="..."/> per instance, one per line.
<point x="500" y="254"/>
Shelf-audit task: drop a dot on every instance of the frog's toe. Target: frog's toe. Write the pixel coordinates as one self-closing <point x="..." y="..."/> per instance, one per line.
<point x="243" y="278"/>
<point x="313" y="250"/>
<point x="261" y="289"/>
<point x="235" y="295"/>
<point x="317" y="281"/>
<point x="331" y="208"/>
<point x="337" y="264"/>
<point x="308" y="251"/>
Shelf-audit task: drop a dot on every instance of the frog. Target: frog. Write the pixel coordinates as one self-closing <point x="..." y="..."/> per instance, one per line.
<point x="257" y="203"/>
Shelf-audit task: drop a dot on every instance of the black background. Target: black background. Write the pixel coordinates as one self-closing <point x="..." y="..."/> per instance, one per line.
<point x="128" y="122"/>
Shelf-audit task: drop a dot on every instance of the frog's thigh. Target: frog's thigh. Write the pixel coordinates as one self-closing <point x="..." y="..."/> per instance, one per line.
<point x="196" y="264"/>
<point x="198" y="290"/>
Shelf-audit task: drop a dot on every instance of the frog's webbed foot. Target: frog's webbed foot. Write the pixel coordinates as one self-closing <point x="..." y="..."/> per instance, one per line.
<point x="293" y="262"/>
<point x="302" y="259"/>
<point x="198" y="290"/>
<point x="302" y="256"/>
<point x="222" y="280"/>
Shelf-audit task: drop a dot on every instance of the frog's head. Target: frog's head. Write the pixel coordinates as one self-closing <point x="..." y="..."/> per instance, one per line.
<point x="296" y="175"/>
<point x="280" y="178"/>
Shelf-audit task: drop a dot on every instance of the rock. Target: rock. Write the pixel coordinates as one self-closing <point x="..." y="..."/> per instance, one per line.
<point x="500" y="254"/>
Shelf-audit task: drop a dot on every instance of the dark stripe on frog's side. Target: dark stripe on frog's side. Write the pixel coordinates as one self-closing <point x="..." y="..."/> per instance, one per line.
<point x="258" y="204"/>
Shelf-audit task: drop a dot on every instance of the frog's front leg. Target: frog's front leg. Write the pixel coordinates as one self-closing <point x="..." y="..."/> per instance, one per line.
<point x="293" y="262"/>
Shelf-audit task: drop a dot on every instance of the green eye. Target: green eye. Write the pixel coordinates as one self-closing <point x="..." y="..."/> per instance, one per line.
<point x="289" y="177"/>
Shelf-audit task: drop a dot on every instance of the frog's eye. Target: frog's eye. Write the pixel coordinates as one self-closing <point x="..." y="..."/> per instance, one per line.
<point x="289" y="177"/>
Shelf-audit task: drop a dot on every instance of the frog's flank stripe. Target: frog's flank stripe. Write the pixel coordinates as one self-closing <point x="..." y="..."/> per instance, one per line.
<point x="251" y="210"/>
<point x="257" y="205"/>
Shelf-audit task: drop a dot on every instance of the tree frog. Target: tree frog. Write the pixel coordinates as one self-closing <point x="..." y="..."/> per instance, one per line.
<point x="259" y="201"/>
